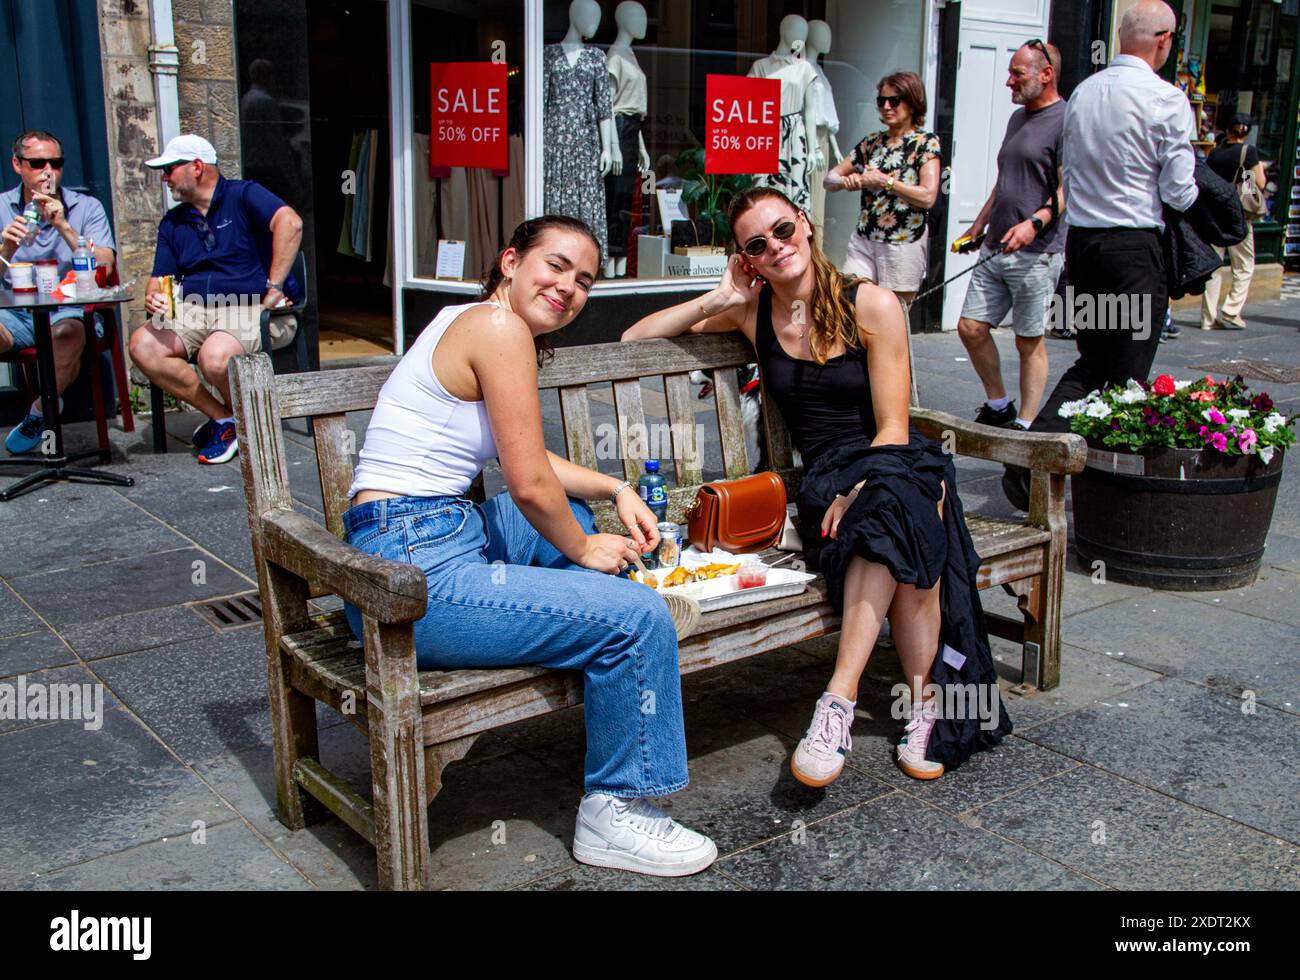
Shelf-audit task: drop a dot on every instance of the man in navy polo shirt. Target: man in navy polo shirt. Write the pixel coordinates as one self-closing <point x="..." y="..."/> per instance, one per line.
<point x="233" y="243"/>
<point x="65" y="215"/>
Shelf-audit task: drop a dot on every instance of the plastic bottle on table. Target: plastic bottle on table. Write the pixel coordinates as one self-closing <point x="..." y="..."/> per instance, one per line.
<point x="654" y="491"/>
<point x="83" y="267"/>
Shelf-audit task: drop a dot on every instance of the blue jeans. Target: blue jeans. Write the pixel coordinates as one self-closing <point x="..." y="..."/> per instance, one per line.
<point x="23" y="331"/>
<point x="500" y="595"/>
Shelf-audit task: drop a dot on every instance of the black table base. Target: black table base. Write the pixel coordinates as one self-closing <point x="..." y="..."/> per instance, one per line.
<point x="54" y="466"/>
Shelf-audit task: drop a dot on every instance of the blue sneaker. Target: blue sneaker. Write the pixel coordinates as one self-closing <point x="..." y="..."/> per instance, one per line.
<point x="204" y="433"/>
<point x="223" y="445"/>
<point x="25" y="437"/>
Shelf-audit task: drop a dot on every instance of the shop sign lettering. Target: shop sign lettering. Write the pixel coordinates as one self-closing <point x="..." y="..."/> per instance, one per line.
<point x="468" y="115"/>
<point x="743" y="125"/>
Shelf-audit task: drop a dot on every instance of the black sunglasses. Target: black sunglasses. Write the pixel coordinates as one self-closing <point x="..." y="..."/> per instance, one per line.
<point x="209" y="239"/>
<point x="1038" y="43"/>
<point x="38" y="163"/>
<point x="168" y="168"/>
<point x="893" y="101"/>
<point x="757" y="245"/>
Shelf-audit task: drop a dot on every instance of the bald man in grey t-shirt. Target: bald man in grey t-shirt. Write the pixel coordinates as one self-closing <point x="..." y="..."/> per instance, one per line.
<point x="1019" y="220"/>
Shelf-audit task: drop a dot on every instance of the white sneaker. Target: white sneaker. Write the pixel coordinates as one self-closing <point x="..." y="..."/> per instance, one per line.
<point x="635" y="835"/>
<point x="819" y="756"/>
<point x="915" y="740"/>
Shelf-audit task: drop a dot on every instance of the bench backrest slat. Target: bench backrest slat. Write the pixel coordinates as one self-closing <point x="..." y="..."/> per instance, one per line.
<point x="633" y="439"/>
<point x="688" y="450"/>
<point x="575" y="412"/>
<point x="731" y="428"/>
<point x="335" y="445"/>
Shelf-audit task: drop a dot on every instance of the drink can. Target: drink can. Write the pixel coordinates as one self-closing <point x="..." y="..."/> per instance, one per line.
<point x="670" y="545"/>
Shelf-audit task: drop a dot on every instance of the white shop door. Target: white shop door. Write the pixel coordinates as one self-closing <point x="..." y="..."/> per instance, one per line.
<point x="982" y="109"/>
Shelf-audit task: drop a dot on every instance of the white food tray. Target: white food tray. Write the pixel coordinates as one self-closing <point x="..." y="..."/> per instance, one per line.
<point x="725" y="592"/>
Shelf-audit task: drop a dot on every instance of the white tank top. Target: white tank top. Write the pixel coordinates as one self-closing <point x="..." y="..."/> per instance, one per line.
<point x="423" y="441"/>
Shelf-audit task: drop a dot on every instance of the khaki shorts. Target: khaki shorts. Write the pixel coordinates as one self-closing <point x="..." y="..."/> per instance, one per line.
<point x="900" y="267"/>
<point x="195" y="323"/>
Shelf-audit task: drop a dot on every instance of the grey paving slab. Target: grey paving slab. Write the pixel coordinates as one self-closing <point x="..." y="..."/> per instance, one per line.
<point x="1194" y="745"/>
<point x="69" y="527"/>
<point x="135" y="631"/>
<point x="70" y="597"/>
<point x="228" y="857"/>
<point x="1274" y="596"/>
<point x="1284" y="697"/>
<point x="15" y="615"/>
<point x="1086" y="677"/>
<point x="1011" y="765"/>
<point x="1130" y="837"/>
<point x="895" y="843"/>
<point x="204" y="697"/>
<point x="68" y="696"/>
<point x="1185" y="638"/>
<point x="72" y="795"/>
<point x="224" y="533"/>
<point x="33" y="651"/>
<point x="585" y="878"/>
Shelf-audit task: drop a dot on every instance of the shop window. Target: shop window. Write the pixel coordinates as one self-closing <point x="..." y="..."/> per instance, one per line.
<point x="474" y="209"/>
<point x="625" y="118"/>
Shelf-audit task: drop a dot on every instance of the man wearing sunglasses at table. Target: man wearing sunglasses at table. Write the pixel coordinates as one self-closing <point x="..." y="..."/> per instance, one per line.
<point x="233" y="243"/>
<point x="64" y="216"/>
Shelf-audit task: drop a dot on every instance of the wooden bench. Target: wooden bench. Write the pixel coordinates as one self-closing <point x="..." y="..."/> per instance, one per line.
<point x="420" y="721"/>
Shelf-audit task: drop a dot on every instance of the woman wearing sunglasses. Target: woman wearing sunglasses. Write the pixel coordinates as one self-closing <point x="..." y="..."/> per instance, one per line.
<point x="897" y="171"/>
<point x="878" y="509"/>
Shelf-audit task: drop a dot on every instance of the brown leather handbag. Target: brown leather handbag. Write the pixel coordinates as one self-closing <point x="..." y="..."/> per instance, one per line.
<point x="739" y="516"/>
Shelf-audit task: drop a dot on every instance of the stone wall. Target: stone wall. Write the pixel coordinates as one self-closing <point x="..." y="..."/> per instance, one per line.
<point x="209" y="96"/>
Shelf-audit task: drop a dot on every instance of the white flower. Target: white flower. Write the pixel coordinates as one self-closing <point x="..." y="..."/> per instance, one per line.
<point x="1272" y="421"/>
<point x="1098" y="410"/>
<point x="1071" y="409"/>
<point x="1266" y="454"/>
<point x="1133" y="393"/>
<point x="1238" y="414"/>
<point x="1180" y="385"/>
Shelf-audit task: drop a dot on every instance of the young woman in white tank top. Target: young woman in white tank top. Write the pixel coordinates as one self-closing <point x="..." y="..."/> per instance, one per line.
<point x="518" y="580"/>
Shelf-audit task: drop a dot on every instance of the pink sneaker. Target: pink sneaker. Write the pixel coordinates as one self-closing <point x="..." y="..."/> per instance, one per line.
<point x="819" y="756"/>
<point x="915" y="740"/>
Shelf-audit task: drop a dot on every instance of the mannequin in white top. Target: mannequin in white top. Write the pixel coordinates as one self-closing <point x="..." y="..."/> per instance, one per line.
<point x="798" y="109"/>
<point x="584" y="21"/>
<point x="828" y="120"/>
<point x="629" y="100"/>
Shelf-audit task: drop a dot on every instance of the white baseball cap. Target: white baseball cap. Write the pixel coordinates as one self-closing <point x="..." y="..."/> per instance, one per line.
<point x="181" y="149"/>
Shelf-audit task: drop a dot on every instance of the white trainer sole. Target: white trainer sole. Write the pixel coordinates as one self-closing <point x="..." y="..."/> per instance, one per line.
<point x="622" y="861"/>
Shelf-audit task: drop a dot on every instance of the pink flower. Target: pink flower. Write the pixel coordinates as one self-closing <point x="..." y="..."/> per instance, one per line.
<point x="1202" y="396"/>
<point x="1220" y="442"/>
<point x="1246" y="441"/>
<point x="1215" y="416"/>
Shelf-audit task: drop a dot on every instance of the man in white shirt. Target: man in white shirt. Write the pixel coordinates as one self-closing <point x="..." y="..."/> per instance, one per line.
<point x="1126" y="153"/>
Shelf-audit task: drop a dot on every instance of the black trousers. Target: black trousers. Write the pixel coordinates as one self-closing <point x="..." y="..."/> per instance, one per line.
<point x="1112" y="271"/>
<point x="619" y="189"/>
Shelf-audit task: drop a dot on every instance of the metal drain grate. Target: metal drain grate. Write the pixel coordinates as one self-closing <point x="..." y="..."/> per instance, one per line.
<point x="231" y="613"/>
<point x="1281" y="374"/>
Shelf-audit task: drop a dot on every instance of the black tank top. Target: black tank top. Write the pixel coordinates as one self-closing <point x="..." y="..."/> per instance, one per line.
<point x="823" y="405"/>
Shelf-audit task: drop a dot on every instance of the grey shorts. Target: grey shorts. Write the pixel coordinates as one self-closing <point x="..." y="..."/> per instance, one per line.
<point x="1022" y="283"/>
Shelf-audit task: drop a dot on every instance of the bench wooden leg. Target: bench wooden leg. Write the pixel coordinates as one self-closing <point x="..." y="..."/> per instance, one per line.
<point x="396" y="757"/>
<point x="1045" y="627"/>
<point x="293" y="714"/>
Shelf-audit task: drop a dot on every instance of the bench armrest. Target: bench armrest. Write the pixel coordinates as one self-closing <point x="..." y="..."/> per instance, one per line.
<point x="388" y="591"/>
<point x="1050" y="451"/>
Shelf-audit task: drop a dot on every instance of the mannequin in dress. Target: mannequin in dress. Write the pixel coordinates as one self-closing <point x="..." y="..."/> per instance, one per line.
<point x="828" y="120"/>
<point x="799" y="152"/>
<point x="579" y="123"/>
<point x="630" y="107"/>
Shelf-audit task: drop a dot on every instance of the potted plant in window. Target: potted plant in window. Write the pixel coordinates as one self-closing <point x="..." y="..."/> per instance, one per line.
<point x="709" y="195"/>
<point x="1181" y="480"/>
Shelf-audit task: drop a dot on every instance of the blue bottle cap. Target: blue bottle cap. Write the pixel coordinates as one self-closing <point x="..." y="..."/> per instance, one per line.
<point x="652" y="466"/>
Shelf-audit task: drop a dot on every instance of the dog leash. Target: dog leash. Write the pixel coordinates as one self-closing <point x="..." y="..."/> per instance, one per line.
<point x="965" y="272"/>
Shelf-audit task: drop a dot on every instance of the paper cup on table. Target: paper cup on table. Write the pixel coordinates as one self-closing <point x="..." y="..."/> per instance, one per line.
<point x="47" y="274"/>
<point x="22" y="277"/>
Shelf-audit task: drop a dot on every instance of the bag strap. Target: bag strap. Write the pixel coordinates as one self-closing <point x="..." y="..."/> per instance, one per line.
<point x="1241" y="164"/>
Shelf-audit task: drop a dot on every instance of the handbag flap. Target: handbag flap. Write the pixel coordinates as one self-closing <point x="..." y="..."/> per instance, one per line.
<point x="750" y="512"/>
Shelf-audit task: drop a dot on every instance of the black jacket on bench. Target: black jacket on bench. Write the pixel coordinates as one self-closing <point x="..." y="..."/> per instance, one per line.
<point x="895" y="521"/>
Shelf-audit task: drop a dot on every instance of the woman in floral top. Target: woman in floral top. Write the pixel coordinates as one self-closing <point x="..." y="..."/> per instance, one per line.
<point x="897" y="171"/>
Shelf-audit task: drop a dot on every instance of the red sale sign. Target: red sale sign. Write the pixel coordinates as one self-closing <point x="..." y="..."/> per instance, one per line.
<point x="468" y="115"/>
<point x="742" y="125"/>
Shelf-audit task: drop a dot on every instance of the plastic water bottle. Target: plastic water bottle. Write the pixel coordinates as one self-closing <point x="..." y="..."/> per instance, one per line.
<point x="83" y="267"/>
<point x="32" y="215"/>
<point x="654" y="491"/>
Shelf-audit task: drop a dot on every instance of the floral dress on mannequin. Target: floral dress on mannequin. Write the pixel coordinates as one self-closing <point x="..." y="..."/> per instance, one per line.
<point x="577" y="98"/>
<point x="792" y="177"/>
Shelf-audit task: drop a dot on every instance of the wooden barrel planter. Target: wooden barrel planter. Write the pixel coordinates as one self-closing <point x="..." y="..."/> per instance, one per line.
<point x="1180" y="519"/>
